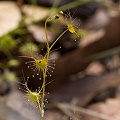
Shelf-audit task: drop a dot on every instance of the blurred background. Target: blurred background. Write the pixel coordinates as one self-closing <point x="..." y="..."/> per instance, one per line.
<point x="85" y="84"/>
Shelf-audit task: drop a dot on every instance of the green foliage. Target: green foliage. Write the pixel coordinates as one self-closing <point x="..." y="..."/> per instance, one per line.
<point x="9" y="76"/>
<point x="13" y="63"/>
<point x="7" y="43"/>
<point x="28" y="48"/>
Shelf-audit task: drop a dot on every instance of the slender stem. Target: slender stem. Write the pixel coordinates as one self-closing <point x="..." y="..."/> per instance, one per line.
<point x="39" y="108"/>
<point x="48" y="20"/>
<point x="45" y="70"/>
<point x="44" y="74"/>
<point x="43" y="92"/>
<point x="58" y="38"/>
<point x="51" y="19"/>
<point x="46" y="33"/>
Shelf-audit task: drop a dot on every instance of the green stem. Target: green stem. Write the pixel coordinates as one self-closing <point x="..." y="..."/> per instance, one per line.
<point x="44" y="75"/>
<point x="48" y="20"/>
<point x="39" y="108"/>
<point x="58" y="38"/>
<point x="46" y="33"/>
<point x="43" y="92"/>
<point x="47" y="57"/>
<point x="43" y="86"/>
<point x="51" y="19"/>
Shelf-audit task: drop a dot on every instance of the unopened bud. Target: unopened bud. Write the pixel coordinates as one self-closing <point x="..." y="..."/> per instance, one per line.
<point x="61" y="12"/>
<point x="57" y="17"/>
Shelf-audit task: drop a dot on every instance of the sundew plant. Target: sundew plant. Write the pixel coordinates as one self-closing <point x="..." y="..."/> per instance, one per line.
<point x="41" y="64"/>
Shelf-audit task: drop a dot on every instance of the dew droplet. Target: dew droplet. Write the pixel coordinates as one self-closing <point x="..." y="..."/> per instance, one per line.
<point x="33" y="76"/>
<point x="28" y="66"/>
<point x="37" y="73"/>
<point x="42" y="112"/>
<point x="39" y="78"/>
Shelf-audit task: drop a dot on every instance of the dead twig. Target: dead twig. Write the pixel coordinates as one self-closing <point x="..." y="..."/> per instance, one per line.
<point x="65" y="107"/>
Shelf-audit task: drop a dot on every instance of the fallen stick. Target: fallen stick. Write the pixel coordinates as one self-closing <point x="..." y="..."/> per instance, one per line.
<point x="66" y="106"/>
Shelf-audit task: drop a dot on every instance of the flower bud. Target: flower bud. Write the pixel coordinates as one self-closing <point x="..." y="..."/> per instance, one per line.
<point x="61" y="12"/>
<point x="57" y="17"/>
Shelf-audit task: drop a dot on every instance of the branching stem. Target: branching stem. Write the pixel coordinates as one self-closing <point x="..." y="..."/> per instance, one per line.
<point x="47" y="57"/>
<point x="58" y="38"/>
